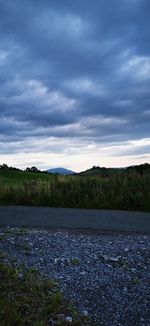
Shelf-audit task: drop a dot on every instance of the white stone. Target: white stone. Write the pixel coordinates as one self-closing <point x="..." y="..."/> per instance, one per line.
<point x="126" y="249"/>
<point x="83" y="273"/>
<point x="85" y="313"/>
<point x="68" y="319"/>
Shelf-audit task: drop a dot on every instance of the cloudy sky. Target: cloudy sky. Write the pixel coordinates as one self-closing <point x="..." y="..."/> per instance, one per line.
<point x="74" y="83"/>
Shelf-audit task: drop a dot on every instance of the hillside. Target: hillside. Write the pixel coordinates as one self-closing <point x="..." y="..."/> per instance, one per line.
<point x="101" y="171"/>
<point x="140" y="169"/>
<point x="16" y="177"/>
<point x="105" y="172"/>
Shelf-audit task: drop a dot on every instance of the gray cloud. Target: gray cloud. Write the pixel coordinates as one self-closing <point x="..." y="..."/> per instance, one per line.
<point x="74" y="70"/>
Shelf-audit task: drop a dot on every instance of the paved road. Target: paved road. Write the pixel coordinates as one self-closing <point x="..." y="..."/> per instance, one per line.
<point x="70" y="218"/>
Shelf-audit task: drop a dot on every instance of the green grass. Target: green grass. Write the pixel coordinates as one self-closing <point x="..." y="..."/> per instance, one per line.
<point x="135" y="281"/>
<point x="12" y="177"/>
<point x="28" y="301"/>
<point x="75" y="261"/>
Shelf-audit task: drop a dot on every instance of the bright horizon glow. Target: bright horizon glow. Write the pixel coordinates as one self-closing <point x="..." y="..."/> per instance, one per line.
<point x="80" y="162"/>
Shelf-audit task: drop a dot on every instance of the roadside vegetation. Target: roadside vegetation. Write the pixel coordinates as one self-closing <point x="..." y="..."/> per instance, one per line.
<point x="25" y="300"/>
<point x="98" y="188"/>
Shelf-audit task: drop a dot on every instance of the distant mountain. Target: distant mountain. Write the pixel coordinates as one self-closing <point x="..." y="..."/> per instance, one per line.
<point x="62" y="171"/>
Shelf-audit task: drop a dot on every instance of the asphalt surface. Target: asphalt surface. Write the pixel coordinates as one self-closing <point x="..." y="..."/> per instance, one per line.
<point x="70" y="218"/>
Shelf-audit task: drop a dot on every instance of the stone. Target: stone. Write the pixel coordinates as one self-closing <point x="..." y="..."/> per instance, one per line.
<point x="68" y="319"/>
<point x="126" y="249"/>
<point x="20" y="275"/>
<point x="85" y="313"/>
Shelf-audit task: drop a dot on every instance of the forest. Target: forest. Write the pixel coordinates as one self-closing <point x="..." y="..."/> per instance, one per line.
<point x="97" y="188"/>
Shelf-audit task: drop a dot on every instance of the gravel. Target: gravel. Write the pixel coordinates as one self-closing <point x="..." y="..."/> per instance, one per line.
<point x="106" y="276"/>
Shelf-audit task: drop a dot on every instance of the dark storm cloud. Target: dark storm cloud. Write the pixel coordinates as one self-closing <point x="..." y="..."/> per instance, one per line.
<point x="74" y="69"/>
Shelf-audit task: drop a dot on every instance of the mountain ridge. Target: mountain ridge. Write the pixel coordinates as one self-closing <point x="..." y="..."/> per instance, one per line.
<point x="61" y="170"/>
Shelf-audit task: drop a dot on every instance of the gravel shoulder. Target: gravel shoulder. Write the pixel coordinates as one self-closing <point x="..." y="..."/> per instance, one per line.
<point x="106" y="276"/>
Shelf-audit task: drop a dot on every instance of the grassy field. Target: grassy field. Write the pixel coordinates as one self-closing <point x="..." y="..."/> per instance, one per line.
<point x="16" y="177"/>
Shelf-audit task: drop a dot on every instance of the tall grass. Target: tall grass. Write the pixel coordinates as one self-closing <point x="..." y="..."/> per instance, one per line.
<point x="123" y="191"/>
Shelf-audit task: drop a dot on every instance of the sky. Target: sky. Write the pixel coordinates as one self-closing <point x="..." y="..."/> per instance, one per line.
<point x="74" y="83"/>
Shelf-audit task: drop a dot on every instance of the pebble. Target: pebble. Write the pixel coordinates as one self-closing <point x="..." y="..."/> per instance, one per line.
<point x="126" y="249"/>
<point x="85" y="313"/>
<point x="68" y="319"/>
